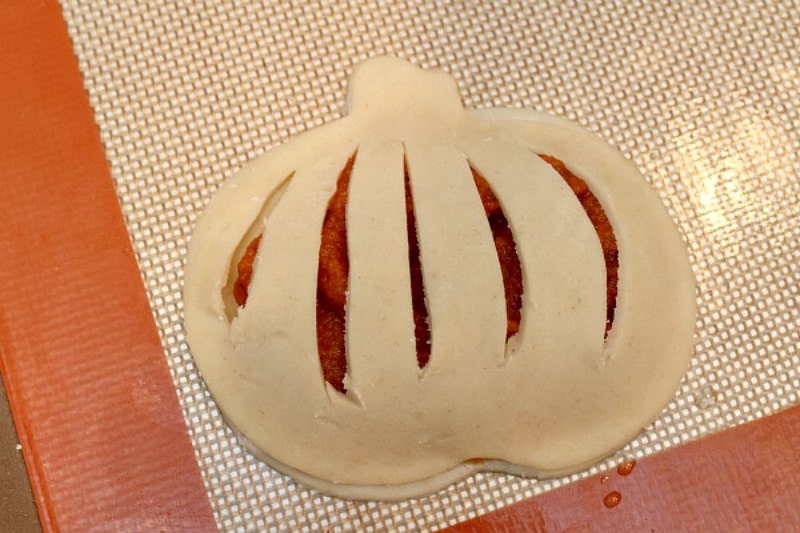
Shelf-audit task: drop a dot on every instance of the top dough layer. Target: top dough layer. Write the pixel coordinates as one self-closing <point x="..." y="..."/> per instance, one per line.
<point x="553" y="400"/>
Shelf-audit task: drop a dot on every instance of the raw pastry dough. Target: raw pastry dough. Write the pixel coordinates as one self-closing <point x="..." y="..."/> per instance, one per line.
<point x="554" y="399"/>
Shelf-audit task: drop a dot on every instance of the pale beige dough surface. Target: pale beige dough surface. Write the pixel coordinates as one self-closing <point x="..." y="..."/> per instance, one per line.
<point x="552" y="401"/>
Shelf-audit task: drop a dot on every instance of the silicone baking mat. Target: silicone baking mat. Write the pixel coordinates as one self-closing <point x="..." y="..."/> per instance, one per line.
<point x="701" y="95"/>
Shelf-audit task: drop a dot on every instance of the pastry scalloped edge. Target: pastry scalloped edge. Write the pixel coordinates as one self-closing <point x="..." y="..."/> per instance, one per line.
<point x="216" y="346"/>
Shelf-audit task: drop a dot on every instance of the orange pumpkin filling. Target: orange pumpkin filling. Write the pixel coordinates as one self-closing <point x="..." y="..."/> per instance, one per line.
<point x="333" y="271"/>
<point x="422" y="331"/>
<point x="245" y="272"/>
<point x="601" y="225"/>
<point x="510" y="267"/>
<point x="332" y="280"/>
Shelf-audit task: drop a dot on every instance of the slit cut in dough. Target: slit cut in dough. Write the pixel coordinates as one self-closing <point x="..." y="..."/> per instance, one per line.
<point x="556" y="397"/>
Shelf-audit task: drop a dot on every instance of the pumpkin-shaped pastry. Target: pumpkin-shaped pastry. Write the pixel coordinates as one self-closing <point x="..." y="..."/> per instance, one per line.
<point x="416" y="291"/>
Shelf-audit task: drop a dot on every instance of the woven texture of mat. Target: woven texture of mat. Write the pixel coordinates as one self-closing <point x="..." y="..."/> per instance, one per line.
<point x="702" y="96"/>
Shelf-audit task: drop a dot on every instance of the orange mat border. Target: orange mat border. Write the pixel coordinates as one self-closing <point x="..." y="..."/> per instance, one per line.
<point x="746" y="479"/>
<point x="104" y="440"/>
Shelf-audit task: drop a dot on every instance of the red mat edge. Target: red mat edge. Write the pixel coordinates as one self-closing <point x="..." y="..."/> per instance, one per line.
<point x="744" y="479"/>
<point x="55" y="180"/>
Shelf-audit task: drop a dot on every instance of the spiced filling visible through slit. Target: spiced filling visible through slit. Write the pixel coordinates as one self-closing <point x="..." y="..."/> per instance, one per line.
<point x="332" y="280"/>
<point x="245" y="272"/>
<point x="510" y="267"/>
<point x="422" y="331"/>
<point x="594" y="210"/>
